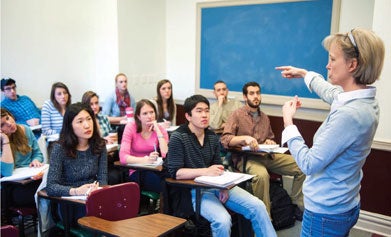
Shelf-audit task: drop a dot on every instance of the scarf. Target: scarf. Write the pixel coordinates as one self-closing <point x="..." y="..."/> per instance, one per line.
<point x="122" y="101"/>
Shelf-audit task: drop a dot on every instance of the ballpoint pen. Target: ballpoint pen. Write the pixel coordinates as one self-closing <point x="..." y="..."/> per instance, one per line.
<point x="154" y="147"/>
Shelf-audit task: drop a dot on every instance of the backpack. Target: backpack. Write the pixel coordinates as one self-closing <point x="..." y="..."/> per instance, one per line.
<point x="282" y="208"/>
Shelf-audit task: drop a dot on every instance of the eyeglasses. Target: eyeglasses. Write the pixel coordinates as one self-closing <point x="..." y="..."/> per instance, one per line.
<point x="351" y="37"/>
<point x="10" y="88"/>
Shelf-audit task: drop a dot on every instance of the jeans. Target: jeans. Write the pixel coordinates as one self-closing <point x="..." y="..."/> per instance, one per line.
<point x="239" y="201"/>
<point x="325" y="225"/>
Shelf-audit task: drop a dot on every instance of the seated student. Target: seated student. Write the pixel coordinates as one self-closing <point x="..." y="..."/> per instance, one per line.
<point x="249" y="126"/>
<point x="117" y="102"/>
<point x="195" y="153"/>
<point x="223" y="107"/>
<point x="165" y="104"/>
<point x="78" y="159"/>
<point x="19" y="148"/>
<point x="143" y="141"/>
<point x="21" y="107"/>
<point x="53" y="110"/>
<point x="91" y="99"/>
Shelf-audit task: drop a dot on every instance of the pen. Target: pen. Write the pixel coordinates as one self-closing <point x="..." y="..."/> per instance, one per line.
<point x="154" y="147"/>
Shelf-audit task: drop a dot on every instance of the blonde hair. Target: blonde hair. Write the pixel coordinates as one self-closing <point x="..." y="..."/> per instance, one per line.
<point x="366" y="47"/>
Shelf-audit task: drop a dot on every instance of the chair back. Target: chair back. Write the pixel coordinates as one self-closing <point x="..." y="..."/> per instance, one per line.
<point x="115" y="202"/>
<point x="9" y="231"/>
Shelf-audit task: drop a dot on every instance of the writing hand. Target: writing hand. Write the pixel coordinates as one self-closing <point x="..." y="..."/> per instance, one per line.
<point x="215" y="170"/>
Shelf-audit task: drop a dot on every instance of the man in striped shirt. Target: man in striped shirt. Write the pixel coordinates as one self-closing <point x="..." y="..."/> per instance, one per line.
<point x="193" y="152"/>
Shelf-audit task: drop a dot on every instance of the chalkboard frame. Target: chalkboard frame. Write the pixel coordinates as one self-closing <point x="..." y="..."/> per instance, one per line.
<point x="271" y="99"/>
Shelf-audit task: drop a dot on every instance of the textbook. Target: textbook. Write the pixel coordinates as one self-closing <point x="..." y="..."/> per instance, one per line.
<point x="268" y="148"/>
<point x="224" y="180"/>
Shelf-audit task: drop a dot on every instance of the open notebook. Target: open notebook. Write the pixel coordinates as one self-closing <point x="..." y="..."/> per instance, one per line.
<point x="158" y="162"/>
<point x="224" y="180"/>
<point x="268" y="148"/>
<point x="24" y="173"/>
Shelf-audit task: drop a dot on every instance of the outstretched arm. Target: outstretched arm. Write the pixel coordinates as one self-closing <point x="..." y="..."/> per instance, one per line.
<point x="292" y="72"/>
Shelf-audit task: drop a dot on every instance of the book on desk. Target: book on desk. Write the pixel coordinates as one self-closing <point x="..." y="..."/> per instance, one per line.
<point x="224" y="180"/>
<point x="268" y="148"/>
<point x="25" y="173"/>
<point x="159" y="161"/>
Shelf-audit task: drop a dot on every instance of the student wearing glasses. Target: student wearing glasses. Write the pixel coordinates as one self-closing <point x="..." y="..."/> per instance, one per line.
<point x="21" y="107"/>
<point x="333" y="165"/>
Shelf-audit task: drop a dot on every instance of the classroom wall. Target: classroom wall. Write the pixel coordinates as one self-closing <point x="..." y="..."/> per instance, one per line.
<point x="142" y="44"/>
<point x="85" y="43"/>
<point x="72" y="41"/>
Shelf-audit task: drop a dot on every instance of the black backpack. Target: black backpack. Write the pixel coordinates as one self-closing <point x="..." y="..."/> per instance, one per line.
<point x="282" y="208"/>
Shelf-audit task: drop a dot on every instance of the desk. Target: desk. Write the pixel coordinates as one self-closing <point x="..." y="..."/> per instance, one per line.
<point x="190" y="183"/>
<point x="65" y="211"/>
<point x="139" y="166"/>
<point x="149" y="225"/>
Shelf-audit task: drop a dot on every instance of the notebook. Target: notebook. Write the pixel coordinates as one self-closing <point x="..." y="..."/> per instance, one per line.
<point x="224" y="180"/>
<point x="268" y="148"/>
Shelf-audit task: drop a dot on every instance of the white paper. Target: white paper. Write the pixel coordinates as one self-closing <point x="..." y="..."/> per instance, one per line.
<point x="80" y="197"/>
<point x="39" y="126"/>
<point x="224" y="180"/>
<point x="53" y="137"/>
<point x="268" y="148"/>
<point x="110" y="147"/>
<point x="172" y="128"/>
<point x="24" y="173"/>
<point x="158" y="162"/>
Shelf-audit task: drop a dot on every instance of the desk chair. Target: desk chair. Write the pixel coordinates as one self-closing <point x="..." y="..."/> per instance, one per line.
<point x="114" y="203"/>
<point x="9" y="231"/>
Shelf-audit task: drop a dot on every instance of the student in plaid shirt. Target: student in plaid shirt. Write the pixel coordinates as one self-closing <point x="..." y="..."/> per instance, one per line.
<point x="20" y="106"/>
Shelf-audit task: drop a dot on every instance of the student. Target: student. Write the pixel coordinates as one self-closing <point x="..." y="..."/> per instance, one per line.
<point x="223" y="107"/>
<point x="21" y="107"/>
<point x="19" y="148"/>
<point x="249" y="126"/>
<point x="92" y="99"/>
<point x="333" y="164"/>
<point x="196" y="153"/>
<point x="143" y="141"/>
<point x="165" y="104"/>
<point x="53" y="110"/>
<point x="78" y="161"/>
<point x="117" y="102"/>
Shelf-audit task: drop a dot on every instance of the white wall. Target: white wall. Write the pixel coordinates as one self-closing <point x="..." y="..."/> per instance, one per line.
<point x="85" y="43"/>
<point x="142" y="44"/>
<point x="44" y="41"/>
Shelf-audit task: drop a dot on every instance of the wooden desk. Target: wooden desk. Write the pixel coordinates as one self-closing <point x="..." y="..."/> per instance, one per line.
<point x="65" y="209"/>
<point x="190" y="183"/>
<point x="149" y="225"/>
